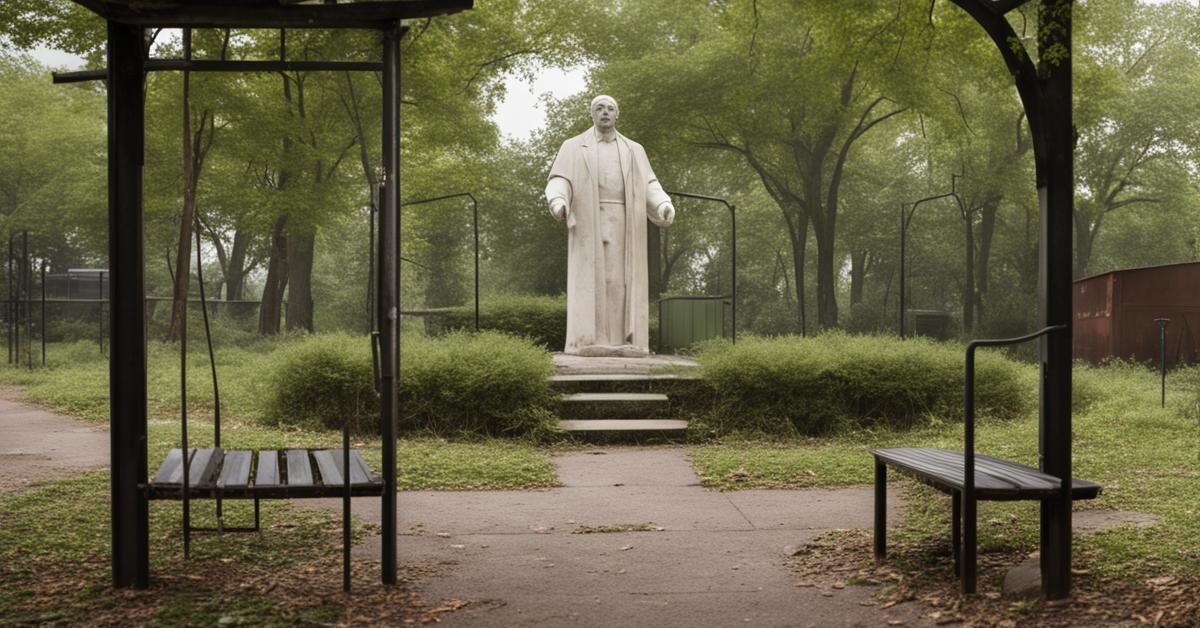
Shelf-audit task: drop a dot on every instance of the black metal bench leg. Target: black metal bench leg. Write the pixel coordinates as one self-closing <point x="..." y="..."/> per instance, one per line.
<point x="956" y="529"/>
<point x="257" y="527"/>
<point x="880" y="511"/>
<point x="968" y="547"/>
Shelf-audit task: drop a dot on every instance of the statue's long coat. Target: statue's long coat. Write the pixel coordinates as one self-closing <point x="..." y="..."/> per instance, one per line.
<point x="576" y="163"/>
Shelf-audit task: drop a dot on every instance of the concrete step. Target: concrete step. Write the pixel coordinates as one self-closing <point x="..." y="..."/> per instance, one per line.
<point x="665" y="383"/>
<point x="614" y="397"/>
<point x="589" y="378"/>
<point x="623" y="425"/>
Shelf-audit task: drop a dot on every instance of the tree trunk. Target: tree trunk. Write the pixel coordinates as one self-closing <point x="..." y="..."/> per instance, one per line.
<point x="271" y="309"/>
<point x="235" y="274"/>
<point x="798" y="233"/>
<point x="827" y="308"/>
<point x="300" y="245"/>
<point x="858" y="274"/>
<point x="968" y="295"/>
<point x="987" y="229"/>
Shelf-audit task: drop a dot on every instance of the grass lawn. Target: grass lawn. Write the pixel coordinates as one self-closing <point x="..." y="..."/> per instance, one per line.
<point x="1146" y="457"/>
<point x="76" y="383"/>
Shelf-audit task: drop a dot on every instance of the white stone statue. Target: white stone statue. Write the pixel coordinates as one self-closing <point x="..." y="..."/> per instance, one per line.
<point x="602" y="185"/>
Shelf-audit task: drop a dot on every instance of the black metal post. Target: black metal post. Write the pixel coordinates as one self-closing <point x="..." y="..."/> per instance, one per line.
<point x="28" y="298"/>
<point x="43" y="311"/>
<point x="956" y="530"/>
<point x="732" y="250"/>
<point x="880" y="511"/>
<point x="10" y="306"/>
<point x="388" y="304"/>
<point x="1056" y="192"/>
<point x="903" y="258"/>
<point x="127" y="367"/>
<point x="375" y="200"/>
<point x="100" y="311"/>
<point x="905" y="221"/>
<point x="346" y="505"/>
<point x="1162" y="355"/>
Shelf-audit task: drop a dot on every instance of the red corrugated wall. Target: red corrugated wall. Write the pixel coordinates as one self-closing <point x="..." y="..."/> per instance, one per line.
<point x="1115" y="312"/>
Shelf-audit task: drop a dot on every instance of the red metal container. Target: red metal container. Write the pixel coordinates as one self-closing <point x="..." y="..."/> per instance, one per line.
<point x="1115" y="312"/>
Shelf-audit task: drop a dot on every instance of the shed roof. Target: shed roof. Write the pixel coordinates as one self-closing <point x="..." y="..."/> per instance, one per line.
<point x="374" y="14"/>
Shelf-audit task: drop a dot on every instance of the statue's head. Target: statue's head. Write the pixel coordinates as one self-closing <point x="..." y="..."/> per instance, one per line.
<point x="605" y="112"/>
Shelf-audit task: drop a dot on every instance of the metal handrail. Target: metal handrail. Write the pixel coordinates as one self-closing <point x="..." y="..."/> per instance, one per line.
<point x="474" y="229"/>
<point x="968" y="493"/>
<point x="732" y="246"/>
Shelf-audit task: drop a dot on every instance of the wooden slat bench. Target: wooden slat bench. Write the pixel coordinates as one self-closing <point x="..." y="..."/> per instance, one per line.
<point x="969" y="477"/>
<point x="289" y="474"/>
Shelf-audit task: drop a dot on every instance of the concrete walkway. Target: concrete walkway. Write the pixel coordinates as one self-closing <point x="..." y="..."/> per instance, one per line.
<point x="36" y="445"/>
<point x="718" y="560"/>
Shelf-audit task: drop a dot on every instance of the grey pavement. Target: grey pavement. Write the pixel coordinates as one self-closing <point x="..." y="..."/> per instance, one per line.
<point x="719" y="559"/>
<point x="36" y="445"/>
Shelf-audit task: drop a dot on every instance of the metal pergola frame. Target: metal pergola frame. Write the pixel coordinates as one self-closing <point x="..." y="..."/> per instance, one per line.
<point x="1044" y="89"/>
<point x="128" y="64"/>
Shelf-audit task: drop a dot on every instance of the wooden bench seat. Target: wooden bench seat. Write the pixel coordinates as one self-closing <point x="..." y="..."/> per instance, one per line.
<point x="995" y="479"/>
<point x="288" y="474"/>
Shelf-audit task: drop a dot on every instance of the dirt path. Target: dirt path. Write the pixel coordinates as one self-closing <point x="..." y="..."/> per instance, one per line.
<point x="36" y="445"/>
<point x="704" y="558"/>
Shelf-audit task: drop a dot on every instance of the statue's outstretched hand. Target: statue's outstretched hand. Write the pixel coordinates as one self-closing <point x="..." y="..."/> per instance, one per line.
<point x="667" y="214"/>
<point x="558" y="209"/>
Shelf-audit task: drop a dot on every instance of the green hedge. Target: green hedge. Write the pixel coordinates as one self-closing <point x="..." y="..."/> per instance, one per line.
<point x="482" y="384"/>
<point x="322" y="380"/>
<point x="790" y="385"/>
<point x="486" y="383"/>
<point x="541" y="319"/>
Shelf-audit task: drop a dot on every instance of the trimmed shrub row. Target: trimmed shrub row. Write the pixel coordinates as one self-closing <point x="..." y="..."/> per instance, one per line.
<point x="485" y="384"/>
<point x="541" y="319"/>
<point x="833" y="382"/>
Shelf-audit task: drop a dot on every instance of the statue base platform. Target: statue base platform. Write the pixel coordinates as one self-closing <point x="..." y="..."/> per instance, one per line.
<point x="567" y="364"/>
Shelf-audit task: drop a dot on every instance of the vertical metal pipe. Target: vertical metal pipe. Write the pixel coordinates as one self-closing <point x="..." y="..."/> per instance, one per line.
<point x="43" y="327"/>
<point x="475" y="231"/>
<point x="183" y="396"/>
<point x="956" y="530"/>
<point x="346" y="505"/>
<point x="18" y="284"/>
<point x="127" y="367"/>
<point x="1056" y="192"/>
<point x="100" y="311"/>
<point x="903" y="234"/>
<point x="1162" y="355"/>
<point x="9" y="310"/>
<point x="388" y="296"/>
<point x="967" y="571"/>
<point x="27" y="299"/>
<point x="733" y="272"/>
<point x="371" y="322"/>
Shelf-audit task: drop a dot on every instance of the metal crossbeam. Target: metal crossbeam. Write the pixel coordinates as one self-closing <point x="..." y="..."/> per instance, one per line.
<point x="374" y="14"/>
